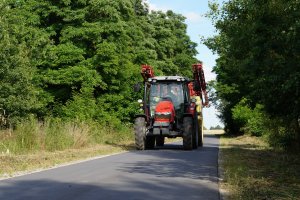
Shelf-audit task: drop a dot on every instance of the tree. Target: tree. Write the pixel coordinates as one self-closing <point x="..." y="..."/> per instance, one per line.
<point x="85" y="56"/>
<point x="257" y="44"/>
<point x="175" y="51"/>
<point x="21" y="49"/>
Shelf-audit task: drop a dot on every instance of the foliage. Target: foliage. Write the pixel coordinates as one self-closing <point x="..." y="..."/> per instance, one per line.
<point x="281" y="136"/>
<point x="257" y="44"/>
<point x="20" y="49"/>
<point x="79" y="59"/>
<point x="54" y="134"/>
<point x="251" y="121"/>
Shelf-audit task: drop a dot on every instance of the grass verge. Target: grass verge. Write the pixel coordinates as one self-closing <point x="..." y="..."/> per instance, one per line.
<point x="12" y="165"/>
<point x="253" y="170"/>
<point x="33" y="145"/>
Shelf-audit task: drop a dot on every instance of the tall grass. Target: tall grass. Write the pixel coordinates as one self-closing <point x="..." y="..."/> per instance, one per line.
<point x="254" y="170"/>
<point x="55" y="134"/>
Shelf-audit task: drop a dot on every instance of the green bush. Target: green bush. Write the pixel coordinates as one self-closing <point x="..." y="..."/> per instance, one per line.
<point x="256" y="123"/>
<point x="280" y="135"/>
<point x="251" y="121"/>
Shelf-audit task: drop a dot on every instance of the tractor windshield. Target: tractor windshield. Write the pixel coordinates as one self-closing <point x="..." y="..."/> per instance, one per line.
<point x="166" y="91"/>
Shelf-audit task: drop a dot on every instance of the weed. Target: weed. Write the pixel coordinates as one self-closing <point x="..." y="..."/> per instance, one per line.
<point x="33" y="144"/>
<point x="56" y="135"/>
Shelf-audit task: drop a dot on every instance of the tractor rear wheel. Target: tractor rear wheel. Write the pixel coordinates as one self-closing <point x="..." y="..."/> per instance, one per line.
<point x="160" y="141"/>
<point x="200" y="131"/>
<point x="140" y="133"/>
<point x="188" y="133"/>
<point x="195" y="131"/>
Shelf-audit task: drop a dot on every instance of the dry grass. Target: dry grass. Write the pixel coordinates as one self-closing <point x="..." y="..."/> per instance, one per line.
<point x="11" y="165"/>
<point x="252" y="170"/>
<point x="214" y="132"/>
<point x="33" y="145"/>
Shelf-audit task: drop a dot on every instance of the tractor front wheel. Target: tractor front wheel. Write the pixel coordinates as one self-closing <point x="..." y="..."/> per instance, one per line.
<point x="142" y="141"/>
<point x="140" y="133"/>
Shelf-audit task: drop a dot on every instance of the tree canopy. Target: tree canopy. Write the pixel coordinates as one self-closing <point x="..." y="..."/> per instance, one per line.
<point x="258" y="46"/>
<point x="80" y="58"/>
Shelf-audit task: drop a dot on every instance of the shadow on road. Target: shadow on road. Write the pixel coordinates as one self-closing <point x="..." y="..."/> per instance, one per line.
<point x="172" y="161"/>
<point x="135" y="190"/>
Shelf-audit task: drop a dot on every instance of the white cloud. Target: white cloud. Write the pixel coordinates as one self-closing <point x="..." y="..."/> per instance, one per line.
<point x="154" y="7"/>
<point x="193" y="17"/>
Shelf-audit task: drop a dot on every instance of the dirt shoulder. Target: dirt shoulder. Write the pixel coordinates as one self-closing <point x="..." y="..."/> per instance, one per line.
<point x="14" y="165"/>
<point x="250" y="169"/>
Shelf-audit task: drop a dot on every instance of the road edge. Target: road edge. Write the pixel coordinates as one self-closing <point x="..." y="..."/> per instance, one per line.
<point x="25" y="173"/>
<point x="222" y="192"/>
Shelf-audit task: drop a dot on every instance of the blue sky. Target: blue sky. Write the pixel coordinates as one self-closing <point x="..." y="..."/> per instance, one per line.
<point x="198" y="25"/>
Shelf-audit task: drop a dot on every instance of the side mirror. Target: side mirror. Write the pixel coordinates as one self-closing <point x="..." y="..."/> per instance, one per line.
<point x="137" y="87"/>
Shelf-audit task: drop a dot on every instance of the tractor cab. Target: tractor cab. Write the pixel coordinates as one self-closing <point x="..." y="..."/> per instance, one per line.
<point x="167" y="89"/>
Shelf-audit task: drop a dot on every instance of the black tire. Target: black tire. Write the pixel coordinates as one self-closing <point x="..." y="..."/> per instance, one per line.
<point x="187" y="133"/>
<point x="149" y="142"/>
<point x="200" y="132"/>
<point x="140" y="133"/>
<point x="160" y="141"/>
<point x="195" y="132"/>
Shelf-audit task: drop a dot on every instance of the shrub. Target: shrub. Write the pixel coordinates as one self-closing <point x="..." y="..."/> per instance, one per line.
<point x="280" y="135"/>
<point x="251" y="121"/>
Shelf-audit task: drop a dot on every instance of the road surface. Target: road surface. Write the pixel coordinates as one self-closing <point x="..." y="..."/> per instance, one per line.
<point x="167" y="174"/>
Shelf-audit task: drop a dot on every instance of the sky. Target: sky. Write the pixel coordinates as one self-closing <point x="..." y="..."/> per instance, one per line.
<point x="197" y="25"/>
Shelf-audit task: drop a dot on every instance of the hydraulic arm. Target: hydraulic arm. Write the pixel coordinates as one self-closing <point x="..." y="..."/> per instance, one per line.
<point x="147" y="72"/>
<point x="199" y="86"/>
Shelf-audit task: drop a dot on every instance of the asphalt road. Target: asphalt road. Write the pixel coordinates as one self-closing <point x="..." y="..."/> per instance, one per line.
<point x="168" y="174"/>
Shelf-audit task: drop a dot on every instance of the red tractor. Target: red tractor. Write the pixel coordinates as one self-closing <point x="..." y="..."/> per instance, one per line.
<point x="172" y="107"/>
